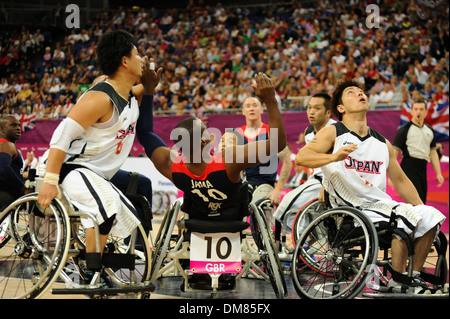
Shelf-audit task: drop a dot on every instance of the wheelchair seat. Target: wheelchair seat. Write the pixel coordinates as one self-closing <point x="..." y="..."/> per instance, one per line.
<point x="229" y="219"/>
<point x="47" y="247"/>
<point x="183" y="258"/>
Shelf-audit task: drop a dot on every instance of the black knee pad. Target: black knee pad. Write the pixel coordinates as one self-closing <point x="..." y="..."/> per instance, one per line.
<point x="106" y="226"/>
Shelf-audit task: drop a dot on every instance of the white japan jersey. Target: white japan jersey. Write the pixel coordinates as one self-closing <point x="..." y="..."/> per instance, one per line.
<point x="309" y="136"/>
<point x="361" y="178"/>
<point x="104" y="147"/>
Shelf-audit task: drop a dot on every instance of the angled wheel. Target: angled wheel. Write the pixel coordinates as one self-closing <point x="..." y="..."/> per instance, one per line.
<point x="34" y="247"/>
<point x="335" y="263"/>
<point x="304" y="216"/>
<point x="268" y="254"/>
<point x="121" y="276"/>
<point x="141" y="251"/>
<point x="163" y="239"/>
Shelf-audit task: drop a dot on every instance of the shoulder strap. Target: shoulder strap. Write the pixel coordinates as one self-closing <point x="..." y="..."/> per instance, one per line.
<point x="133" y="184"/>
<point x="108" y="89"/>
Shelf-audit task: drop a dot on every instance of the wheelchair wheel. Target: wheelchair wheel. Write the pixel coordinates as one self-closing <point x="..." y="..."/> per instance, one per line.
<point x="268" y="255"/>
<point x="34" y="248"/>
<point x="304" y="216"/>
<point x="142" y="257"/>
<point x="163" y="240"/>
<point x="336" y="263"/>
<point x="120" y="275"/>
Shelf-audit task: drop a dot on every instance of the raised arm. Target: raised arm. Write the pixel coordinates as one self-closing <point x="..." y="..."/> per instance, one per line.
<point x="154" y="146"/>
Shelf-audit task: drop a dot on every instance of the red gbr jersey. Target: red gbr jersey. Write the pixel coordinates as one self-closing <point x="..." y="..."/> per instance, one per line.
<point x="262" y="173"/>
<point x="209" y="195"/>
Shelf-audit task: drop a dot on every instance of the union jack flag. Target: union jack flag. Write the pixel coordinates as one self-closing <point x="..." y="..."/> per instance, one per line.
<point x="437" y="118"/>
<point x="27" y="121"/>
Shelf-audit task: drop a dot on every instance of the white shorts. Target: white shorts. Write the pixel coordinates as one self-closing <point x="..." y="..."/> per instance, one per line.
<point x="92" y="193"/>
<point x="296" y="199"/>
<point x="412" y="219"/>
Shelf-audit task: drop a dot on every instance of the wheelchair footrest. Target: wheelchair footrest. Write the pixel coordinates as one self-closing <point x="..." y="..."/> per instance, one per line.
<point x="147" y="287"/>
<point x="111" y="260"/>
<point x="203" y="282"/>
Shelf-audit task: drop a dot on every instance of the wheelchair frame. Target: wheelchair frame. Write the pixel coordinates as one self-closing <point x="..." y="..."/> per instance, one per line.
<point x="168" y="261"/>
<point x="334" y="259"/>
<point x="44" y="247"/>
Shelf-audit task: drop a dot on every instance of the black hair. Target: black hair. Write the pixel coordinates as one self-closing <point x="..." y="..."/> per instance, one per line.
<point x="112" y="47"/>
<point x="336" y="99"/>
<point x="421" y="101"/>
<point x="326" y="99"/>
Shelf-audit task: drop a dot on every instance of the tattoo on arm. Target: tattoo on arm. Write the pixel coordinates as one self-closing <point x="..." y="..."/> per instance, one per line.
<point x="285" y="171"/>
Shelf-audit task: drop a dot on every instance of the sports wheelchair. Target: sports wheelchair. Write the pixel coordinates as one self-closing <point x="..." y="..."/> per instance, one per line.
<point x="202" y="242"/>
<point x="276" y="229"/>
<point x="336" y="257"/>
<point x="44" y="248"/>
<point x="302" y="218"/>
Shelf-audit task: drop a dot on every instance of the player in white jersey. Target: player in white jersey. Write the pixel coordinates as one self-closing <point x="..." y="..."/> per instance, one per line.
<point x="355" y="160"/>
<point x="92" y="143"/>
<point x="319" y="115"/>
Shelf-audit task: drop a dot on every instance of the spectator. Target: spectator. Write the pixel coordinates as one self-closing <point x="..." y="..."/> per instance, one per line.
<point x="440" y="96"/>
<point x="386" y="96"/>
<point x="249" y="36"/>
<point x="415" y="85"/>
<point x="24" y="94"/>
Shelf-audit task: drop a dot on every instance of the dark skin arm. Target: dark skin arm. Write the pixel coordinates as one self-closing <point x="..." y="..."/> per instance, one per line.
<point x="239" y="157"/>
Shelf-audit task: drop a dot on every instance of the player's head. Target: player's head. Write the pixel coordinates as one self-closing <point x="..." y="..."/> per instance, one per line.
<point x="116" y="48"/>
<point x="190" y="135"/>
<point x="348" y="96"/>
<point x="318" y="109"/>
<point x="10" y="128"/>
<point x="252" y="108"/>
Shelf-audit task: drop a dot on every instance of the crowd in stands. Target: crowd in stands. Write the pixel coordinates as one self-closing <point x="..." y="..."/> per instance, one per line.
<point x="210" y="53"/>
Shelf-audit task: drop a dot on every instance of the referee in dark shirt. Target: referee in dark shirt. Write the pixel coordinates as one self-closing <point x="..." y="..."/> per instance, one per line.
<point x="416" y="141"/>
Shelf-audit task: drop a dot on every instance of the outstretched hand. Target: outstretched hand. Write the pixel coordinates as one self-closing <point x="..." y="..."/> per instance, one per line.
<point x="263" y="87"/>
<point x="150" y="78"/>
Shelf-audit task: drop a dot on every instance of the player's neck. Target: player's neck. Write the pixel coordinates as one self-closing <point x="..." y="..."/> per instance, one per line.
<point x="9" y="140"/>
<point x="197" y="168"/>
<point x="317" y="128"/>
<point x="359" y="126"/>
<point x="254" y="124"/>
<point x="122" y="84"/>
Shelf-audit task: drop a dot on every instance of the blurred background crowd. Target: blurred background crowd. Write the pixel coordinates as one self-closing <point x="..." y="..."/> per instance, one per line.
<point x="210" y="50"/>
